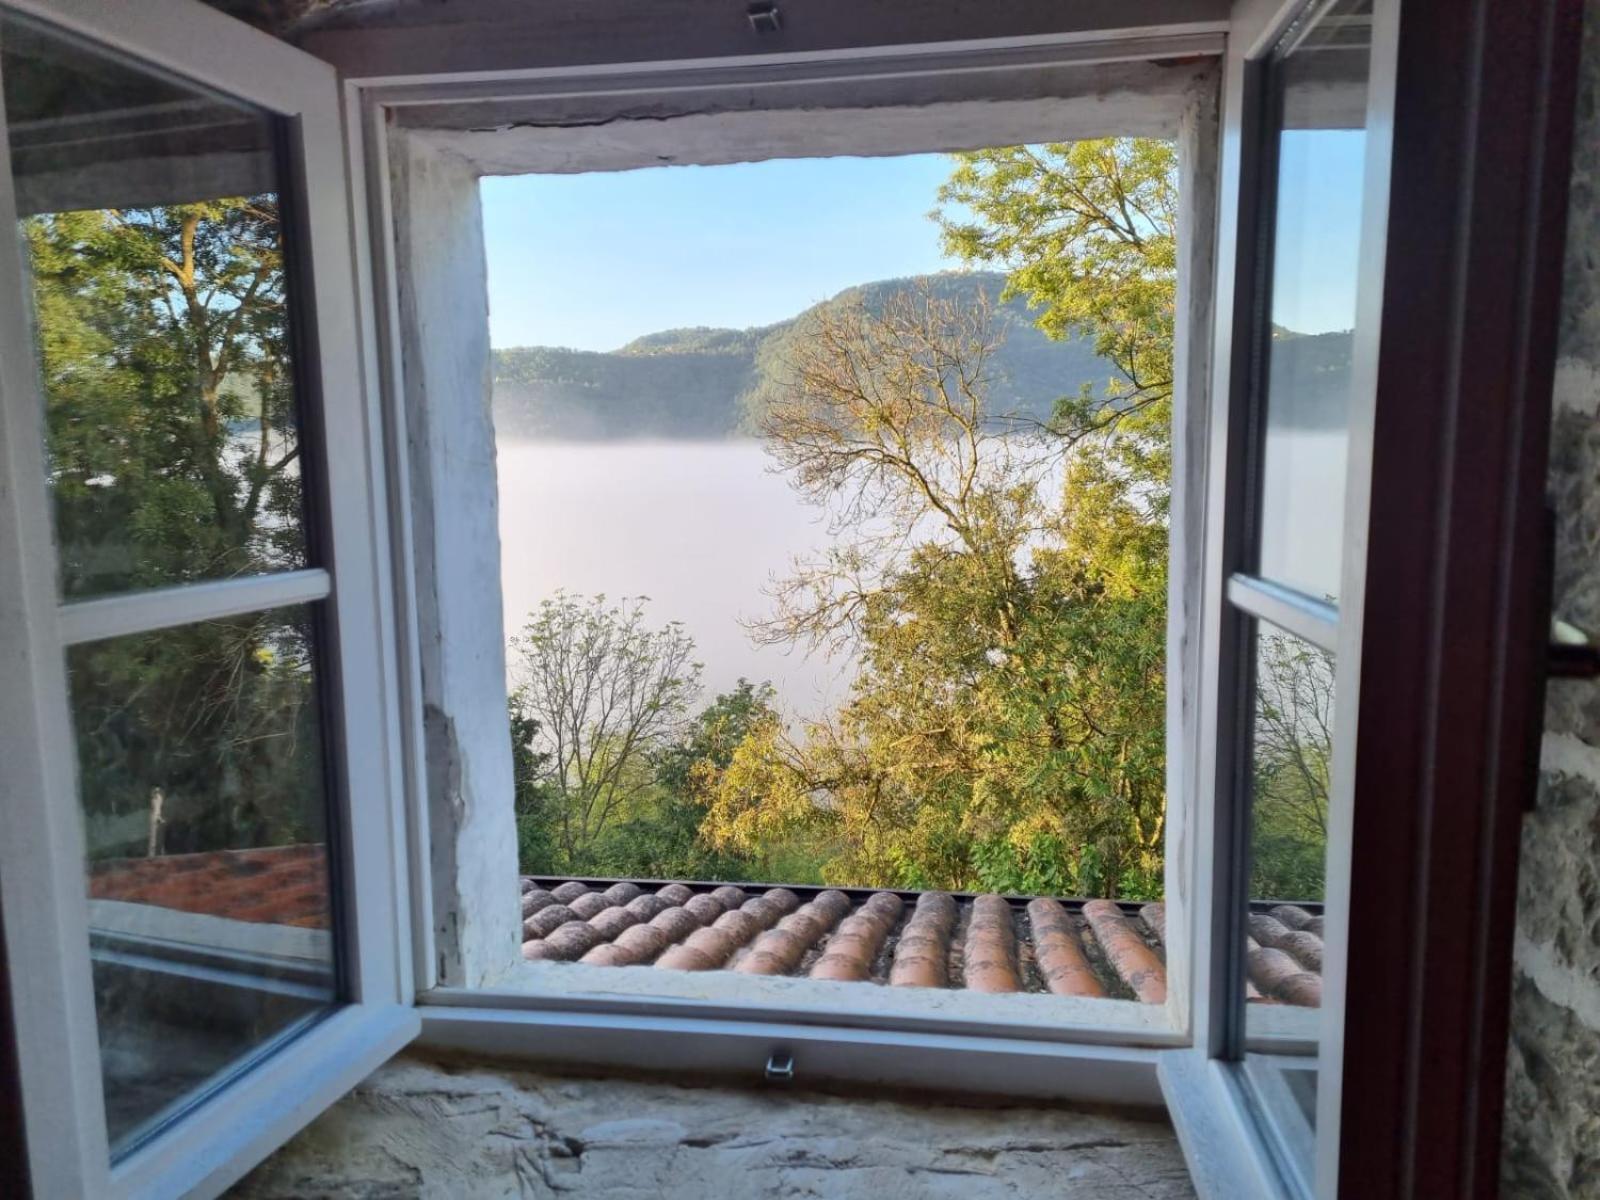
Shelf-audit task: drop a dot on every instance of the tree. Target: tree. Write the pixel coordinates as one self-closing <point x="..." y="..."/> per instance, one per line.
<point x="663" y="840"/>
<point x="171" y="406"/>
<point x="1292" y="757"/>
<point x="882" y="418"/>
<point x="599" y="694"/>
<point x="1087" y="231"/>
<point x="1005" y="725"/>
<point x="532" y="799"/>
<point x="173" y="440"/>
<point x="1003" y="584"/>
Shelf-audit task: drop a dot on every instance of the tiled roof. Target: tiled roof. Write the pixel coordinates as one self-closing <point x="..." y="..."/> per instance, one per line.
<point x="276" y="885"/>
<point x="986" y="943"/>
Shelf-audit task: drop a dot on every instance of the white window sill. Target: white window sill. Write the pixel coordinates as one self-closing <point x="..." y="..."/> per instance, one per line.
<point x="737" y="1048"/>
<point x="530" y="985"/>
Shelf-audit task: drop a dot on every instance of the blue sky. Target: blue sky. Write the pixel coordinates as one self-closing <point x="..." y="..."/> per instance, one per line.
<point x="593" y="261"/>
<point x="1319" y="226"/>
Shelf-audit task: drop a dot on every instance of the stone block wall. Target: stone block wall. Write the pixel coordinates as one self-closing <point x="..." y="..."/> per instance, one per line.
<point x="430" y="1129"/>
<point x="1552" y="1134"/>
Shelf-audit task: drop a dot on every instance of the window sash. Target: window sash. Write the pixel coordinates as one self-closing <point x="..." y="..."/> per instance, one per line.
<point x="169" y="607"/>
<point x="1210" y="1088"/>
<point x="41" y="826"/>
<point x="371" y="103"/>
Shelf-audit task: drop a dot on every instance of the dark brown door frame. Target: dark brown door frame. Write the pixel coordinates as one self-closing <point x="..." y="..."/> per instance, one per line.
<point x="1452" y="653"/>
<point x="14" y="1179"/>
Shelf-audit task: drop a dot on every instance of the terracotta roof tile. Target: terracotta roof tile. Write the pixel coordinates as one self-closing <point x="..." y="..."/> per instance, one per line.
<point x="276" y="885"/>
<point x="906" y="939"/>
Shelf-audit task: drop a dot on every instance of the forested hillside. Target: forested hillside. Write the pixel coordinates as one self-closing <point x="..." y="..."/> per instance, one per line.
<point x="708" y="383"/>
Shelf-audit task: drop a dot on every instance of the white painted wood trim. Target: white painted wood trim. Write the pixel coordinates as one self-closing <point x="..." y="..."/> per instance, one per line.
<point x="196" y="42"/>
<point x="373" y="883"/>
<point x="701" y="1048"/>
<point x="391" y="549"/>
<point x="41" y="826"/>
<point x="728" y="997"/>
<point x="1192" y="406"/>
<point x="372" y="220"/>
<point x="768" y="70"/>
<point x="215" y="1144"/>
<point x="165" y="608"/>
<point x="1310" y="620"/>
<point x="1227" y="1156"/>
<point x="1209" y="860"/>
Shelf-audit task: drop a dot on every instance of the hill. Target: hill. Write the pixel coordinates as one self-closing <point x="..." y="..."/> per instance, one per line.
<point x="703" y="383"/>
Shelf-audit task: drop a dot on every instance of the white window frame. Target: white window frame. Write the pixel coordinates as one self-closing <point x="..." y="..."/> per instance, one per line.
<point x="41" y="826"/>
<point x="1089" y="1058"/>
<point x="390" y="945"/>
<point x="1238" y="1125"/>
<point x="1234" y="1147"/>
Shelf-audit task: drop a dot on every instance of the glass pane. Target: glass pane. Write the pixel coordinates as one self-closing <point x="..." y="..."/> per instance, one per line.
<point x="151" y="222"/>
<point x="205" y="802"/>
<point x="1321" y="88"/>
<point x="1291" y="758"/>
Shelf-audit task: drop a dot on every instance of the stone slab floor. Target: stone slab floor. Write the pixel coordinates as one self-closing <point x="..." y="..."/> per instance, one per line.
<point x="432" y="1128"/>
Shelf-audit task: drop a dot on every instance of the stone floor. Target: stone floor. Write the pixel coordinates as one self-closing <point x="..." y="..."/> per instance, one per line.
<point x="434" y="1129"/>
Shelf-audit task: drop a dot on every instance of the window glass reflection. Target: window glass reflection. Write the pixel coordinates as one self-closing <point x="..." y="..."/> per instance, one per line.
<point x="152" y="226"/>
<point x="1290" y="775"/>
<point x="202" y="780"/>
<point x="1320" y="86"/>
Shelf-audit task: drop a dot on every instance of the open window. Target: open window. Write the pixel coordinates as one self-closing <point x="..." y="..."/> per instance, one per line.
<point x="197" y="864"/>
<point x="258" y="824"/>
<point x="968" y="396"/>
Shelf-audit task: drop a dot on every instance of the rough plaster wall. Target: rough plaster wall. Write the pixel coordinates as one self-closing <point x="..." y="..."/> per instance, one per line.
<point x="422" y="1128"/>
<point x="1552" y="1146"/>
<point x="456" y="532"/>
<point x="1198" y="146"/>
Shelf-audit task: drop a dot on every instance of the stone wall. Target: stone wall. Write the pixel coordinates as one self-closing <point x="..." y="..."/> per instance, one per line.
<point x="1552" y="1138"/>
<point x="431" y="1128"/>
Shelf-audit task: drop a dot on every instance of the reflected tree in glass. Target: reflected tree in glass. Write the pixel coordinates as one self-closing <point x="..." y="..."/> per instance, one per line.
<point x="1293" y="755"/>
<point x="171" y="408"/>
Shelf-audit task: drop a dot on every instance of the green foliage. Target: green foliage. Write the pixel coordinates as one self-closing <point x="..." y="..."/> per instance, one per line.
<point x="1004" y="586"/>
<point x="656" y="833"/>
<point x="1291" y="763"/>
<point x="999" y="569"/>
<point x="1087" y="232"/>
<point x="533" y="801"/>
<point x="172" y="442"/>
<point x="598" y="695"/>
<point x="170" y="403"/>
<point x="579" y="394"/>
<point x="662" y="840"/>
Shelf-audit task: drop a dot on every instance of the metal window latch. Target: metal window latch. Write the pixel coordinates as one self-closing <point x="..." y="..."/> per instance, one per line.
<point x="780" y="1067"/>
<point x="764" y="16"/>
